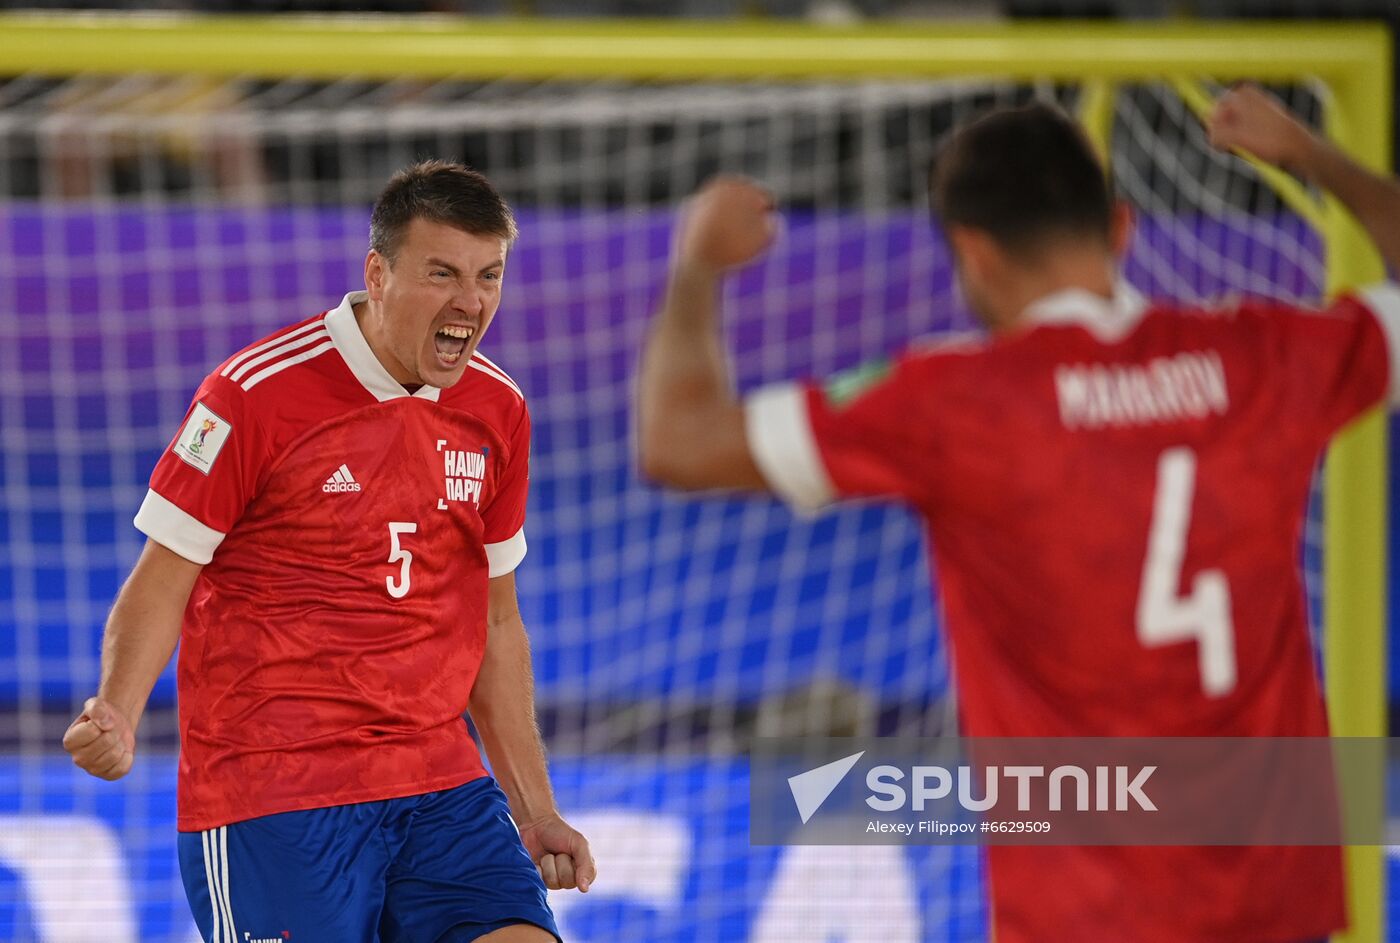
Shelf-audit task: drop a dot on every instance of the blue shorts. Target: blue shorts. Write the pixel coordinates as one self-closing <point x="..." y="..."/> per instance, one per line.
<point x="442" y="867"/>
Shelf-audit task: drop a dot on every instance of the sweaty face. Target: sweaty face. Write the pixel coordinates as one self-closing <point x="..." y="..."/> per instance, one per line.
<point x="435" y="301"/>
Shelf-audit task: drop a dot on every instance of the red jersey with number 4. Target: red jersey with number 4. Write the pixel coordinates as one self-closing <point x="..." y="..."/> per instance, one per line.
<point x="348" y="530"/>
<point x="1115" y="495"/>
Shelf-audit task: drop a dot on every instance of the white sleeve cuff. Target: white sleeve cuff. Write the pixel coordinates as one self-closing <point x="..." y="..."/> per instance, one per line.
<point x="176" y="530"/>
<point x="1384" y="302"/>
<point x="779" y="433"/>
<point x="505" y="556"/>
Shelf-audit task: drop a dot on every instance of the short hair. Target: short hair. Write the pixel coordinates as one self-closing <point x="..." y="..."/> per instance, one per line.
<point x="1025" y="176"/>
<point x="441" y="192"/>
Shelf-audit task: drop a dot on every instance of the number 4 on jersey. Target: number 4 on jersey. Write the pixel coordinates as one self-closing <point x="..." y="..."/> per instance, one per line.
<point x="1163" y="617"/>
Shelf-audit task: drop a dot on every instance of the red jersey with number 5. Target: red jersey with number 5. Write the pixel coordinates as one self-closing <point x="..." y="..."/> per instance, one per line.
<point x="347" y="530"/>
<point x="1115" y="495"/>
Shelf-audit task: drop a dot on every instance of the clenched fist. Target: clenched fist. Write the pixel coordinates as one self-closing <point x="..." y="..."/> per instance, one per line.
<point x="1250" y="119"/>
<point x="102" y="740"/>
<point x="728" y="222"/>
<point x="561" y="853"/>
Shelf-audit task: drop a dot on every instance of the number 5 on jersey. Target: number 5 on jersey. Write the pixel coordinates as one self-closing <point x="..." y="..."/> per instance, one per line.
<point x="404" y="558"/>
<point x="1164" y="617"/>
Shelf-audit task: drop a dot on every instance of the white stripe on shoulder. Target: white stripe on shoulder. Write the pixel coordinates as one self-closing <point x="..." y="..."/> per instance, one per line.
<point x="504" y="556"/>
<point x="215" y="912"/>
<point x="957" y="342"/>
<point x="280" y="350"/>
<point x="479" y="356"/>
<point x="479" y="362"/>
<point x="1384" y="302"/>
<point x="281" y="365"/>
<point x="779" y="433"/>
<point x="238" y="359"/>
<point x="176" y="529"/>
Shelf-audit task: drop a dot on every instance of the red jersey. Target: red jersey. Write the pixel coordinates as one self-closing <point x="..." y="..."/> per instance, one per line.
<point x="347" y="530"/>
<point x="1115" y="495"/>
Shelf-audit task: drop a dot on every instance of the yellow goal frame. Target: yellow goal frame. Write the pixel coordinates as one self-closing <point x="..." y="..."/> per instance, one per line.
<point x="1352" y="61"/>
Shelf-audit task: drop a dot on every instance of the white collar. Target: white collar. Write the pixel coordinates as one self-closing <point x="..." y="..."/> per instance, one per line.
<point x="1108" y="319"/>
<point x="350" y="341"/>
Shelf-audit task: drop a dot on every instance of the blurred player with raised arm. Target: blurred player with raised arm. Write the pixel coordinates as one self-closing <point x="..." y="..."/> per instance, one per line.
<point x="333" y="539"/>
<point x="1115" y="488"/>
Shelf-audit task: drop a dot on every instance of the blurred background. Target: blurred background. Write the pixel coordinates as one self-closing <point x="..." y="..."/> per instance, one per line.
<point x="153" y="222"/>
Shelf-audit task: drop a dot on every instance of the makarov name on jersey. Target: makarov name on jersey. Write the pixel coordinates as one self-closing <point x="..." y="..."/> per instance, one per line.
<point x="1164" y="389"/>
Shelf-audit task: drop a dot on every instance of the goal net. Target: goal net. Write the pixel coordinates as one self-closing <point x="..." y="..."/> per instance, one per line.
<point x="152" y="224"/>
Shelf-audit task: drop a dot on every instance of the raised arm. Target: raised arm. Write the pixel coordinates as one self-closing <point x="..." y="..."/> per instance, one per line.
<point x="139" y="638"/>
<point x="1250" y="119"/>
<point x="690" y="424"/>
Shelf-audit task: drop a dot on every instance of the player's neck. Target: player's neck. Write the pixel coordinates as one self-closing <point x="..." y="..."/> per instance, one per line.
<point x="1091" y="272"/>
<point x="370" y="322"/>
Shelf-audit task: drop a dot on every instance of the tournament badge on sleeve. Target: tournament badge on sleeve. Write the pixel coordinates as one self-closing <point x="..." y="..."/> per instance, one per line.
<point x="202" y="438"/>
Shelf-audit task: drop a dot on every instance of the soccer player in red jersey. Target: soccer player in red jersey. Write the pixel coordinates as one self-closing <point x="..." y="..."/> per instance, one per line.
<point x="1115" y="489"/>
<point x="333" y="538"/>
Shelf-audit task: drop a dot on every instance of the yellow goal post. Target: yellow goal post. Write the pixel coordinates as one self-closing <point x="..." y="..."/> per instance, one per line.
<point x="1351" y="62"/>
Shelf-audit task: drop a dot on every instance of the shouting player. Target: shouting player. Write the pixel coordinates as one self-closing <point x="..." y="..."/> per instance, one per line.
<point x="1114" y="488"/>
<point x="333" y="539"/>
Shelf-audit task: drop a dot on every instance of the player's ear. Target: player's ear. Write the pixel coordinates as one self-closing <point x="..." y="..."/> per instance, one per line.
<point x="375" y="267"/>
<point x="1121" y="225"/>
<point x="976" y="252"/>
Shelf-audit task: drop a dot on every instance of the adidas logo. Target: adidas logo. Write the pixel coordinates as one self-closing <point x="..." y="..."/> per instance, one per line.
<point x="342" y="480"/>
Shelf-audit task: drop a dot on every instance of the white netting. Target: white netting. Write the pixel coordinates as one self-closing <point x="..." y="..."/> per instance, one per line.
<point x="153" y="225"/>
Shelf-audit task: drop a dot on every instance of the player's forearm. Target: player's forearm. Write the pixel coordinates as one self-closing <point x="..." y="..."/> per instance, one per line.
<point x="503" y="709"/>
<point x="1373" y="199"/>
<point x="144" y="627"/>
<point x="684" y="382"/>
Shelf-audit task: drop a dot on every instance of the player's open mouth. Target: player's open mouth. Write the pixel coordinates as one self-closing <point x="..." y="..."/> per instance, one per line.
<point x="450" y="341"/>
